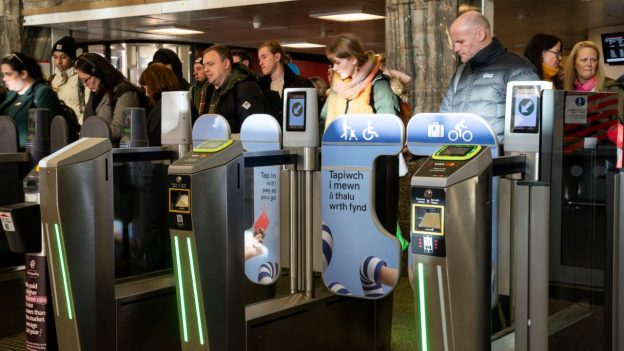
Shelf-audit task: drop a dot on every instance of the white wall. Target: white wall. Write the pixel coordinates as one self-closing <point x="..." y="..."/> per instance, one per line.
<point x="612" y="71"/>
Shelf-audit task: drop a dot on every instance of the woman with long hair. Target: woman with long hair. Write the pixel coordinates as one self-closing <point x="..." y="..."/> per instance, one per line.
<point x="155" y="80"/>
<point x="585" y="71"/>
<point x="111" y="91"/>
<point x="357" y="85"/>
<point x="544" y="51"/>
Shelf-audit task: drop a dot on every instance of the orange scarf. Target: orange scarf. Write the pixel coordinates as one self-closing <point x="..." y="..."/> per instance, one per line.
<point x="352" y="95"/>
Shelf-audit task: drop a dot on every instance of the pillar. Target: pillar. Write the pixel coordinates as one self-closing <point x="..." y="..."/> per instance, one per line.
<point x="10" y="27"/>
<point x="417" y="44"/>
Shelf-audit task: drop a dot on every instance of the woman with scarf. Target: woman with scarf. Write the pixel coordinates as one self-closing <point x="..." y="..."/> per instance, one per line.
<point x="544" y="51"/>
<point x="585" y="71"/>
<point x="357" y="85"/>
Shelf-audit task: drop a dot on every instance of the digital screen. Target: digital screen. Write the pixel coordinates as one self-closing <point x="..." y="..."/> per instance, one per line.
<point x="180" y="200"/>
<point x="613" y="48"/>
<point x="428" y="219"/>
<point x="456" y="150"/>
<point x="296" y="112"/>
<point x="525" y="109"/>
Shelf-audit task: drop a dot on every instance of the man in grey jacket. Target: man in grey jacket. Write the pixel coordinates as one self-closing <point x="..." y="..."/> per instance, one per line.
<point x="479" y="85"/>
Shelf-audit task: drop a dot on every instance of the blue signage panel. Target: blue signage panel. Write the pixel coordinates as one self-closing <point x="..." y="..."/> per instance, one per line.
<point x="361" y="259"/>
<point x="262" y="132"/>
<point x="382" y="128"/>
<point x="426" y="132"/>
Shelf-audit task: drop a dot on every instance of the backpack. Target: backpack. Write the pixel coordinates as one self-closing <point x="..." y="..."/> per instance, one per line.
<point x="405" y="108"/>
<point x="73" y="126"/>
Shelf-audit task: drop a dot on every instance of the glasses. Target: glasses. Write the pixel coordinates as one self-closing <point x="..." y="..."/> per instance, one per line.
<point x="84" y="81"/>
<point x="556" y="53"/>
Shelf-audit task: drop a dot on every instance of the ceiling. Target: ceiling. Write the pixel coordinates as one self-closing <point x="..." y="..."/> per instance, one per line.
<point x="287" y="21"/>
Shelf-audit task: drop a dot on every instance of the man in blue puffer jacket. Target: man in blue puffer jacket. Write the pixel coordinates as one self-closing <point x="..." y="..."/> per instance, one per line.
<point x="479" y="85"/>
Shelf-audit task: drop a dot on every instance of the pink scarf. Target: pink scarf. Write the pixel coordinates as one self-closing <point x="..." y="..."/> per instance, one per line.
<point x="350" y="88"/>
<point x="587" y="86"/>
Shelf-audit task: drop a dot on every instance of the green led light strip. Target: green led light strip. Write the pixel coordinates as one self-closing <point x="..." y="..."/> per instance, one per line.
<point x="181" y="288"/>
<point x="199" y="322"/>
<point x="61" y="253"/>
<point x="421" y="302"/>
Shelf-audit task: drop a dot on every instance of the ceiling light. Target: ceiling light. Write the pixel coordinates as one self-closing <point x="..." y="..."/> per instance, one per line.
<point x="173" y="30"/>
<point x="347" y="16"/>
<point x="302" y="45"/>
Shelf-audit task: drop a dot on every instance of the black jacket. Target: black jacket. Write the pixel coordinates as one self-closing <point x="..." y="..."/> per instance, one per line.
<point x="154" y="118"/>
<point x="482" y="86"/>
<point x="274" y="101"/>
<point x="239" y="97"/>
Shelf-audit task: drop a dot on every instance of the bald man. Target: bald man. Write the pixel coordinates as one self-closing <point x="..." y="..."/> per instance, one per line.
<point x="479" y="85"/>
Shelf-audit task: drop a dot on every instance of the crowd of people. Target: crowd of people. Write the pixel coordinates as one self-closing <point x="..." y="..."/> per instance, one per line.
<point x="358" y="82"/>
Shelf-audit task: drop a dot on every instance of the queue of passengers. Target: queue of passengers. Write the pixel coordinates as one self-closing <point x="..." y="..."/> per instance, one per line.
<point x="225" y="84"/>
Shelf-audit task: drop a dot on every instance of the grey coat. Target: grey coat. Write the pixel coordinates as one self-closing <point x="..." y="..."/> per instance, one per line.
<point x="114" y="118"/>
<point x="482" y="86"/>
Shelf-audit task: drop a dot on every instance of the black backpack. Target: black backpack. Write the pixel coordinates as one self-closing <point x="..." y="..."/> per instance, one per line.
<point x="73" y="126"/>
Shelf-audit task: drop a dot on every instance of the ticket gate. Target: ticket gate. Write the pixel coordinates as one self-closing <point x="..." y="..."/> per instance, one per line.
<point x="119" y="279"/>
<point x="93" y="310"/>
<point x="205" y="193"/>
<point x="451" y="240"/>
<point x="45" y="135"/>
<point x="209" y="256"/>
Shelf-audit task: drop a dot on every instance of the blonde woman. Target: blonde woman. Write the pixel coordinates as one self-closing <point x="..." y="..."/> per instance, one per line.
<point x="584" y="71"/>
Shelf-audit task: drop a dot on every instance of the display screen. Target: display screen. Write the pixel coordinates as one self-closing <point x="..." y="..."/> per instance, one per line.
<point x="613" y="48"/>
<point x="296" y="112"/>
<point x="428" y="219"/>
<point x="525" y="110"/>
<point x="180" y="200"/>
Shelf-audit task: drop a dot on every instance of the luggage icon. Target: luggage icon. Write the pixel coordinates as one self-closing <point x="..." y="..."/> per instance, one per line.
<point x="435" y="130"/>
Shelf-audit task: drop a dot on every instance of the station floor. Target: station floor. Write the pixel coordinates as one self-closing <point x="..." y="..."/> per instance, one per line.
<point x="403" y="325"/>
<point x="576" y="327"/>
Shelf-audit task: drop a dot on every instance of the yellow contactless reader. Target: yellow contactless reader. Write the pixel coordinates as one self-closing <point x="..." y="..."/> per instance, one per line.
<point x="456" y="152"/>
<point x="213" y="145"/>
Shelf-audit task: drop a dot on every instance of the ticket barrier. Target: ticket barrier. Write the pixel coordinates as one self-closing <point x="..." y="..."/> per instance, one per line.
<point x="451" y="240"/>
<point x="45" y="134"/>
<point x="559" y="216"/>
<point x="525" y="215"/>
<point x="207" y="236"/>
<point x="582" y="248"/>
<point x="440" y="327"/>
<point x="112" y="288"/>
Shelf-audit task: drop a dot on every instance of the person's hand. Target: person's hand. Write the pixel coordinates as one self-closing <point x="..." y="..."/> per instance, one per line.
<point x="259" y="235"/>
<point x="254" y="244"/>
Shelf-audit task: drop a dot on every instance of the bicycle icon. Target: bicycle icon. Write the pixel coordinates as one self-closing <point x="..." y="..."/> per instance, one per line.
<point x="369" y="133"/>
<point x="459" y="132"/>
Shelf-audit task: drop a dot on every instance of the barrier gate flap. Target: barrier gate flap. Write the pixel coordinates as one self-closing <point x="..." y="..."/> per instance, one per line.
<point x="210" y="126"/>
<point x="262" y="132"/>
<point x="361" y="258"/>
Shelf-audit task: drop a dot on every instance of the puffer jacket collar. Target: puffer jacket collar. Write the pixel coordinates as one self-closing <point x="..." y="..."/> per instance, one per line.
<point x="487" y="54"/>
